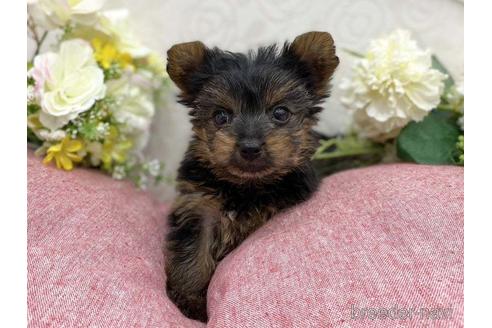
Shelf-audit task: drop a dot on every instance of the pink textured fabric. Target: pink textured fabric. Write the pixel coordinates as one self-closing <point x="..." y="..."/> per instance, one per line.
<point x="94" y="253"/>
<point x="376" y="238"/>
<point x="375" y="247"/>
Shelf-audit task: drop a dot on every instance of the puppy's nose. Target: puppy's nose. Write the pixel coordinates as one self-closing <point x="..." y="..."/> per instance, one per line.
<point x="250" y="149"/>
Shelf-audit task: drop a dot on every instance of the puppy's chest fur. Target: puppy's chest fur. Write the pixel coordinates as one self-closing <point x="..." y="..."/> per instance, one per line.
<point x="230" y="211"/>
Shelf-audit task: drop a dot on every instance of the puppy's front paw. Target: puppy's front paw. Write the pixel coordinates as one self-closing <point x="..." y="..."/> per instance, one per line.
<point x="191" y="304"/>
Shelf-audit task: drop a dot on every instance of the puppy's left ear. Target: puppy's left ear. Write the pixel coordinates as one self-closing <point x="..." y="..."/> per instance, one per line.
<point x="316" y="50"/>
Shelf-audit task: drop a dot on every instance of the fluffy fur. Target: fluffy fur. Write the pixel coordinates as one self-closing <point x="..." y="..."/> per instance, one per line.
<point x="225" y="195"/>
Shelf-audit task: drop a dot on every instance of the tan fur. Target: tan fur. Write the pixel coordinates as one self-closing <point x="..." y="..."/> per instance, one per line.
<point x="276" y="94"/>
<point x="182" y="59"/>
<point x="239" y="172"/>
<point x="279" y="145"/>
<point x="223" y="147"/>
<point x="220" y="96"/>
<point x="317" y="49"/>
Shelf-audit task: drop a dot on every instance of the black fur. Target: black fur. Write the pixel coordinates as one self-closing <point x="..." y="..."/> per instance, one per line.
<point x="292" y="189"/>
<point x="225" y="195"/>
<point x="251" y="72"/>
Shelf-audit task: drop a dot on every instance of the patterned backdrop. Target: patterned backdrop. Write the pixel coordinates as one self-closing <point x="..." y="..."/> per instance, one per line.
<point x="239" y="25"/>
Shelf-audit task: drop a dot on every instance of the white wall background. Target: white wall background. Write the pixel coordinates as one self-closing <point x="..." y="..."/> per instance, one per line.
<point x="239" y="25"/>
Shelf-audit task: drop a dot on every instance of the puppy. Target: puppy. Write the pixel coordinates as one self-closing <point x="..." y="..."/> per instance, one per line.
<point x="249" y="157"/>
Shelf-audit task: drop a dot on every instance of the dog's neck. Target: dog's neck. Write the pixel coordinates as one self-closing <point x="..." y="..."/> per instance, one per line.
<point x="291" y="189"/>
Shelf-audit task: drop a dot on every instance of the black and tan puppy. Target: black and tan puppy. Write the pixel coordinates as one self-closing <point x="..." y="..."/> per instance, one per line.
<point x="249" y="157"/>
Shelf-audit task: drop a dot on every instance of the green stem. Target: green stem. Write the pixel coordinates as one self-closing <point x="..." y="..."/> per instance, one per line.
<point x="454" y="108"/>
<point x="446" y="107"/>
<point x="351" y="152"/>
<point x="40" y="43"/>
<point x="325" y="144"/>
<point x="353" y="53"/>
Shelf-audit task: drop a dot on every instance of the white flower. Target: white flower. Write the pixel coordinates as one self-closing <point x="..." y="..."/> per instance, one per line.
<point x="119" y="172"/>
<point x="67" y="83"/>
<point x="142" y="181"/>
<point x="157" y="64"/>
<point x="102" y="129"/>
<point x="56" y="135"/>
<point x="57" y="13"/>
<point x="134" y="108"/>
<point x="114" y="23"/>
<point x="460" y="86"/>
<point x="95" y="150"/>
<point x="153" y="167"/>
<point x="392" y="85"/>
<point x="31" y="97"/>
<point x="461" y="122"/>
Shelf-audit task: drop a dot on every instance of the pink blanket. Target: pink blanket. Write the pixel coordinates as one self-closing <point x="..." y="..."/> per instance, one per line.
<point x="375" y="247"/>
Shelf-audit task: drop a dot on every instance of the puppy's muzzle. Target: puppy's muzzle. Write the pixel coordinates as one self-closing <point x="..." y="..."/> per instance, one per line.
<point x="250" y="149"/>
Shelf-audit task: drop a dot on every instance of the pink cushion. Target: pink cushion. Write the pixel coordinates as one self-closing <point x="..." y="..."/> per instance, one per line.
<point x="379" y="237"/>
<point x="386" y="237"/>
<point x="94" y="253"/>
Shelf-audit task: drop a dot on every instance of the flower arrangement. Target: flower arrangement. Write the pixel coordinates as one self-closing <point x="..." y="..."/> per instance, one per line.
<point x="92" y="96"/>
<point x="405" y="105"/>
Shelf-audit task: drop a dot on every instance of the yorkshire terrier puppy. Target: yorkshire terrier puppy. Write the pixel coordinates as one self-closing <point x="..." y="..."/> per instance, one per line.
<point x="249" y="157"/>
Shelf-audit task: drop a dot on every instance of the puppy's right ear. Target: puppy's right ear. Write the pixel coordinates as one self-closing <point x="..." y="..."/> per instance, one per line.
<point x="183" y="60"/>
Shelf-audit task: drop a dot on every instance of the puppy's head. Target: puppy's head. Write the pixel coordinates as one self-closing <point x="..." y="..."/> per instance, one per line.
<point x="252" y="114"/>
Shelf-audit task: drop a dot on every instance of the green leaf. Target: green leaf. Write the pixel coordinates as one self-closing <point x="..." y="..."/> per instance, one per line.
<point x="88" y="130"/>
<point x="449" y="82"/>
<point x="32" y="108"/>
<point x="346" y="152"/>
<point x="431" y="141"/>
<point x="33" y="139"/>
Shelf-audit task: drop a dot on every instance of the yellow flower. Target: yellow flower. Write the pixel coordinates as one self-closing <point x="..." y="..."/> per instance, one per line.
<point x="106" y="54"/>
<point x="65" y="153"/>
<point x="114" y="149"/>
<point x="156" y="63"/>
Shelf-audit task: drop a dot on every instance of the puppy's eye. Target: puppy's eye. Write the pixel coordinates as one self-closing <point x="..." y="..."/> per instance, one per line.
<point x="281" y="114"/>
<point x="221" y="118"/>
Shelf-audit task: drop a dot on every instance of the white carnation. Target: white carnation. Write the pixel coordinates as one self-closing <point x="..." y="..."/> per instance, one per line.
<point x="67" y="83"/>
<point x="391" y="86"/>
